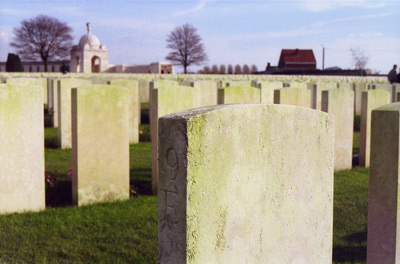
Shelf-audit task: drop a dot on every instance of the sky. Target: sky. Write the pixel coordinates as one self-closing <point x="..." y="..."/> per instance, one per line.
<point x="233" y="31"/>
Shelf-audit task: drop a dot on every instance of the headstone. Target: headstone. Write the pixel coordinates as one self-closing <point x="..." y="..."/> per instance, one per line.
<point x="358" y="88"/>
<point x="370" y="100"/>
<point x="267" y="90"/>
<point x="22" y="186"/>
<point x="144" y="86"/>
<point x="208" y="91"/>
<point x="340" y="103"/>
<point x="236" y="190"/>
<point x="134" y="107"/>
<point x="293" y="96"/>
<point x="383" y="193"/>
<point x="239" y="95"/>
<point x="64" y="87"/>
<point x="100" y="144"/>
<point x="164" y="101"/>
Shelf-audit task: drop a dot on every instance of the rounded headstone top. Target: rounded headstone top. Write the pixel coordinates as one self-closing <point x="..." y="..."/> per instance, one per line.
<point x="90" y="39"/>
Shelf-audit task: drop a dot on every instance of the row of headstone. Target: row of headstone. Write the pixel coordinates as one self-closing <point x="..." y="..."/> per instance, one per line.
<point x="100" y="145"/>
<point x="59" y="98"/>
<point x="224" y="204"/>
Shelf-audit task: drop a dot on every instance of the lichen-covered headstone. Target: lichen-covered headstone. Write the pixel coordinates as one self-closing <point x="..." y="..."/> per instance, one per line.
<point x="358" y="88"/>
<point x="134" y="107"/>
<point x="144" y="85"/>
<point x="22" y="186"/>
<point x="246" y="184"/>
<point x="267" y="90"/>
<point x="208" y="91"/>
<point x="383" y="243"/>
<point x="239" y="95"/>
<point x="164" y="101"/>
<point x="293" y="96"/>
<point x="340" y="103"/>
<point x="64" y="87"/>
<point x="100" y="144"/>
<point x="370" y="100"/>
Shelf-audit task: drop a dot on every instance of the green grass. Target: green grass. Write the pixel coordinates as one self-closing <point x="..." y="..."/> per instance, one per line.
<point x="350" y="216"/>
<point x="119" y="232"/>
<point x="126" y="231"/>
<point x="356" y="143"/>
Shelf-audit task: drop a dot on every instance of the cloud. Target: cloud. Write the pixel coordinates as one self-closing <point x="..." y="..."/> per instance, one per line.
<point x="325" y="5"/>
<point x="198" y="7"/>
<point x="347" y="19"/>
<point x="15" y="12"/>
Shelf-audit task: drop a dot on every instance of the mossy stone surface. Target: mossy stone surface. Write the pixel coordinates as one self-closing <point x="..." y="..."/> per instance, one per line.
<point x="236" y="190"/>
<point x="100" y="144"/>
<point x="22" y="186"/>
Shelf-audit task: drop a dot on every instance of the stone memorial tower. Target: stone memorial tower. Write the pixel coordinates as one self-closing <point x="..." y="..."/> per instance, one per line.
<point x="89" y="55"/>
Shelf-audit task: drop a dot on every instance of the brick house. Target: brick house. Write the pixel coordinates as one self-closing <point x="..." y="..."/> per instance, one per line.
<point x="297" y="59"/>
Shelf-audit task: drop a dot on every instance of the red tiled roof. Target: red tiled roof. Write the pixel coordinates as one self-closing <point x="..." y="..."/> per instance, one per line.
<point x="297" y="56"/>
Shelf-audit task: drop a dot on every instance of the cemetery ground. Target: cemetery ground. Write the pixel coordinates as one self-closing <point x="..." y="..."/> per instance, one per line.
<point x="126" y="231"/>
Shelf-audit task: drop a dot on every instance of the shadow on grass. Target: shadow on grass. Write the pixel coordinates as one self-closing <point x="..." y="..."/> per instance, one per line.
<point x="349" y="254"/>
<point x="141" y="181"/>
<point x="352" y="253"/>
<point x="61" y="194"/>
<point x="51" y="143"/>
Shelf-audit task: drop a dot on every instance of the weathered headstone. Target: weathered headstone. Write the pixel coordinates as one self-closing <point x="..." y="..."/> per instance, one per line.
<point x="164" y="101"/>
<point x="236" y="190"/>
<point x="267" y="90"/>
<point x="340" y="103"/>
<point x="293" y="96"/>
<point x="383" y="243"/>
<point x="144" y="85"/>
<point x="358" y="88"/>
<point x="22" y="186"/>
<point x="134" y="107"/>
<point x="239" y="95"/>
<point x="208" y="91"/>
<point x="100" y="144"/>
<point x="64" y="87"/>
<point x="370" y="100"/>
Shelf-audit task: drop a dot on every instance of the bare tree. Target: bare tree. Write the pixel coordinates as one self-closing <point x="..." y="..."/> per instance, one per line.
<point x="222" y="69"/>
<point x="214" y="69"/>
<point x="206" y="69"/>
<point x="238" y="69"/>
<point x="42" y="38"/>
<point x="360" y="60"/>
<point x="246" y="69"/>
<point x="254" y="69"/>
<point x="230" y="69"/>
<point x="186" y="46"/>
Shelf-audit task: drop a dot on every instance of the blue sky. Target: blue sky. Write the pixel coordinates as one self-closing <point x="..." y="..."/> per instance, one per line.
<point x="233" y="31"/>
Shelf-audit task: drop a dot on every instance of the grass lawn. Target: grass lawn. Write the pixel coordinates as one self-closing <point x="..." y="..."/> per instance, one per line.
<point x="126" y="231"/>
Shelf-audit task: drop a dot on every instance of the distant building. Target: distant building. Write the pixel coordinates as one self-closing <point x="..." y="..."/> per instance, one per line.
<point x="37" y="66"/>
<point x="296" y="59"/>
<point x="90" y="56"/>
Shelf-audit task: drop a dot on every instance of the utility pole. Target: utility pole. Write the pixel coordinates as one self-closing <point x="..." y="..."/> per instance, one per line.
<point x="323" y="57"/>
